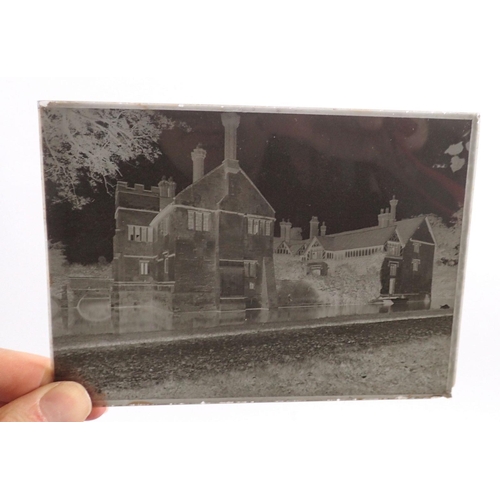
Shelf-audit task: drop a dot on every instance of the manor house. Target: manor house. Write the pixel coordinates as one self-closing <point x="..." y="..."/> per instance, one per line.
<point x="206" y="248"/>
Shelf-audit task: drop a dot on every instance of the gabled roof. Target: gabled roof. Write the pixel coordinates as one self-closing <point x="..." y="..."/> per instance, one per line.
<point x="293" y="246"/>
<point x="277" y="243"/>
<point x="407" y="227"/>
<point x="209" y="198"/>
<point x="360" y="238"/>
<point x="256" y="188"/>
<point x="371" y="236"/>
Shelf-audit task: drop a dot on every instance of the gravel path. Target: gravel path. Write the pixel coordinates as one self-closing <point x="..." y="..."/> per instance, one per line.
<point x="108" y="369"/>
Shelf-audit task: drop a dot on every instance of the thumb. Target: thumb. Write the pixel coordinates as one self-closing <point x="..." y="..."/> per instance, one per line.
<point x="56" y="402"/>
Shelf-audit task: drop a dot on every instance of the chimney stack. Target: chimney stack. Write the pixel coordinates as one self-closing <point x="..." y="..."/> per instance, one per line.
<point x="198" y="156"/>
<point x="283" y="229"/>
<point x="230" y="122"/>
<point x="381" y="217"/>
<point x="313" y="227"/>
<point x="288" y="231"/>
<point x="167" y="191"/>
<point x="394" y="204"/>
<point x="323" y="229"/>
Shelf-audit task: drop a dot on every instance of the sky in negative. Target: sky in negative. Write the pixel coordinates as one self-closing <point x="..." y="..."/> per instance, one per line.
<point x="342" y="169"/>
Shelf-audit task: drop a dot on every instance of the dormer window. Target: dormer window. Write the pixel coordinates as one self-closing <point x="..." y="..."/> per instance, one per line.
<point x="416" y="247"/>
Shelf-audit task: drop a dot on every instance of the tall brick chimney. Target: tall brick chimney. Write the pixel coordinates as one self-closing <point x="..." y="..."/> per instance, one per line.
<point x="381" y="218"/>
<point x="394" y="204"/>
<point x="198" y="156"/>
<point x="283" y="229"/>
<point x="313" y="227"/>
<point x="323" y="229"/>
<point x="288" y="231"/>
<point x="231" y="122"/>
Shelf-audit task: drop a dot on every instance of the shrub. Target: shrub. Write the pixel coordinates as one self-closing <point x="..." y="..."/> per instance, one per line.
<point x="296" y="293"/>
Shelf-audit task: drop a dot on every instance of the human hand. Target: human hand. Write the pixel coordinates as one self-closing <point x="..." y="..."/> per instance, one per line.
<point x="27" y="393"/>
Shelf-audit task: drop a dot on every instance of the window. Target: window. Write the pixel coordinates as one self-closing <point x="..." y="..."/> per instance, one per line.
<point x="393" y="248"/>
<point x="393" y="266"/>
<point x="190" y="219"/>
<point x="251" y="269"/>
<point x="317" y="254"/>
<point x="163" y="227"/>
<point x="206" y="221"/>
<point x="144" y="267"/>
<point x="198" y="221"/>
<point x="416" y="247"/>
<point x="259" y="226"/>
<point x="415" y="264"/>
<point x="140" y="233"/>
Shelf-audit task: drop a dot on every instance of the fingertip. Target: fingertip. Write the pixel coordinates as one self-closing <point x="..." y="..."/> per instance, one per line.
<point x="65" y="402"/>
<point x="97" y="411"/>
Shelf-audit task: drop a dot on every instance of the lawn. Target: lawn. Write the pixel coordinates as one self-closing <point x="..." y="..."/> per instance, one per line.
<point x="406" y="357"/>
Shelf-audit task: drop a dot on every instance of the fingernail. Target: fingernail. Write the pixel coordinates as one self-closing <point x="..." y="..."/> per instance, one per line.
<point x="66" y="402"/>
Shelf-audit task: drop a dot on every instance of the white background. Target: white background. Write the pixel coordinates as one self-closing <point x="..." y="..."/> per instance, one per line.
<point x="425" y="57"/>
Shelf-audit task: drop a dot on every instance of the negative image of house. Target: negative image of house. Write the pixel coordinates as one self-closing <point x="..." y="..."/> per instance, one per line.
<point x="206" y="248"/>
<point x="407" y="246"/>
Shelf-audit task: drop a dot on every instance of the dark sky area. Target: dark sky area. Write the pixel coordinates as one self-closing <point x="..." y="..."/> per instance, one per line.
<point x="339" y="168"/>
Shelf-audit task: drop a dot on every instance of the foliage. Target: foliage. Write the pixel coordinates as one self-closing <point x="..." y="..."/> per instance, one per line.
<point x="296" y="292"/>
<point x="57" y="260"/>
<point x="458" y="154"/>
<point x="85" y="143"/>
<point x="348" y="282"/>
<point x="447" y="238"/>
<point x="60" y="270"/>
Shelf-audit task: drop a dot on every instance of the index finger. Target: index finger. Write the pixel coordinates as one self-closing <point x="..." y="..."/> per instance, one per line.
<point x="21" y="373"/>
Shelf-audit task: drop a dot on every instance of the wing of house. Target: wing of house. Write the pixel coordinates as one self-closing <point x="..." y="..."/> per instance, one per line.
<point x="408" y="247"/>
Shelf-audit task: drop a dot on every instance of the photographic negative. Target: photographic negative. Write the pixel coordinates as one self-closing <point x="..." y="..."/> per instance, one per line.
<point x="246" y="254"/>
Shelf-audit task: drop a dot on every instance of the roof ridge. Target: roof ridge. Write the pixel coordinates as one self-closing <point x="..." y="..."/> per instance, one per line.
<point x="370" y="228"/>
